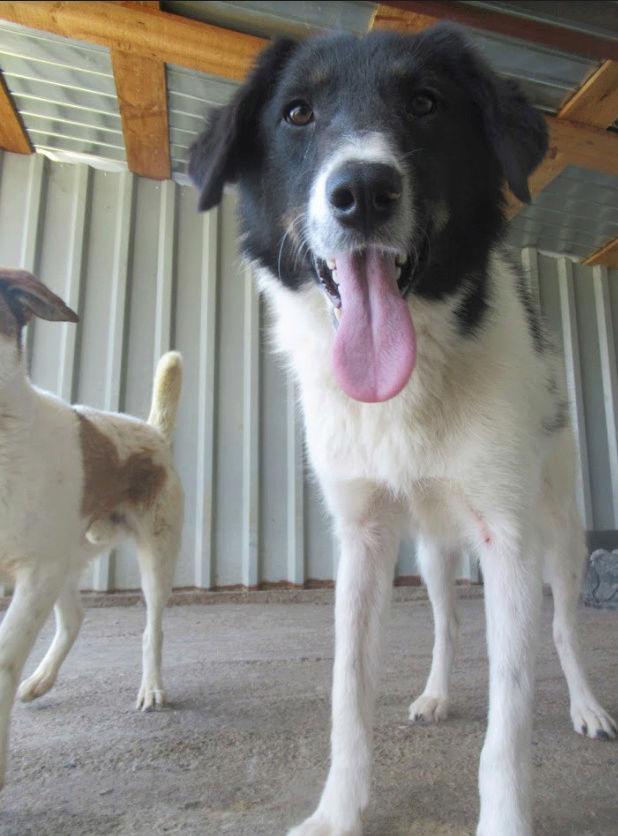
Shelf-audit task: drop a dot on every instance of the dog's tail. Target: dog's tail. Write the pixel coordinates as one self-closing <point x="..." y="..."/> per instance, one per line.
<point x="166" y="394"/>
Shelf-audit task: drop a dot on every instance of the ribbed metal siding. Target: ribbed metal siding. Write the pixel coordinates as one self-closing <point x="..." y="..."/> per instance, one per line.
<point x="146" y="273"/>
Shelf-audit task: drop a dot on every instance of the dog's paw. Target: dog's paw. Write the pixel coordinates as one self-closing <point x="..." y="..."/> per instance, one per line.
<point x="429" y="709"/>
<point x="591" y="720"/>
<point x="35" y="686"/>
<point x="150" y="699"/>
<point x="319" y="825"/>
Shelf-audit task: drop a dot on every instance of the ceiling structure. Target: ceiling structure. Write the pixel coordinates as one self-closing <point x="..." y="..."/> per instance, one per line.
<point x="127" y="84"/>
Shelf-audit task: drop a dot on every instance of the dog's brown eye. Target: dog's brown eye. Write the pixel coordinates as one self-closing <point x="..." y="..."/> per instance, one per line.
<point x="422" y="104"/>
<point x="298" y="113"/>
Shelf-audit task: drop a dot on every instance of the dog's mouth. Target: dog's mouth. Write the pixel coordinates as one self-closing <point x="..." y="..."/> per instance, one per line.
<point x="375" y="345"/>
<point x="329" y="279"/>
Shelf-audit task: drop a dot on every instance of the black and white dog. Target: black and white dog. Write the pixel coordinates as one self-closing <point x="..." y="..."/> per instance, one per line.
<point x="370" y="174"/>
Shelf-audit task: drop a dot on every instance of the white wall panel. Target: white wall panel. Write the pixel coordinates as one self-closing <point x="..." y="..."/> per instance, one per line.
<point x="146" y="272"/>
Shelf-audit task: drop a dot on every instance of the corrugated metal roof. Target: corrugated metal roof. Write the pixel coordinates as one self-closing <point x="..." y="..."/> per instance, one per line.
<point x="64" y="91"/>
<point x="595" y="17"/>
<point x="281" y="17"/>
<point x="548" y="76"/>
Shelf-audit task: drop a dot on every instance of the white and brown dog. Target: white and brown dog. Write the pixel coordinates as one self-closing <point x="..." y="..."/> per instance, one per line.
<point x="370" y="174"/>
<point x="75" y="481"/>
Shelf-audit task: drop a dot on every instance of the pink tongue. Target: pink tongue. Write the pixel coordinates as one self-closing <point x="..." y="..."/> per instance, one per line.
<point x="375" y="345"/>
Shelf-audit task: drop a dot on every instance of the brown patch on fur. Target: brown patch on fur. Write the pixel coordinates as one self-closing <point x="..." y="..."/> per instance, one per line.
<point x="319" y="76"/>
<point x="109" y="483"/>
<point x="290" y="222"/>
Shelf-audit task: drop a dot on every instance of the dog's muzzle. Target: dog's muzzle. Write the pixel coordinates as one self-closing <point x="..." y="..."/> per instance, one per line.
<point x="363" y="196"/>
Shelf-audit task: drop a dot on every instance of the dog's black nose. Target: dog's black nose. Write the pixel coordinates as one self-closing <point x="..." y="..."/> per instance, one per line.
<point x="363" y="195"/>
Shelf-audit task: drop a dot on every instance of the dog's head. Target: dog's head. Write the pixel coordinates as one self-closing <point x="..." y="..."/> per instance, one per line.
<point x="23" y="296"/>
<point x="375" y="167"/>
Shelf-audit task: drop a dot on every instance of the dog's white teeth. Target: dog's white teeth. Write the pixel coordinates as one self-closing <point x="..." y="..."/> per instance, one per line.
<point x="398" y="273"/>
<point x="338" y="314"/>
<point x="401" y="259"/>
<point x="331" y="264"/>
<point x="334" y="276"/>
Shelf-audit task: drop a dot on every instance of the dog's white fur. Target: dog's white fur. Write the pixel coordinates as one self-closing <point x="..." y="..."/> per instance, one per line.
<point x="45" y="536"/>
<point x="458" y="458"/>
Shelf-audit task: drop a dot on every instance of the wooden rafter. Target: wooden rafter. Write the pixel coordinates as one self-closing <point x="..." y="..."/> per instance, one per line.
<point x="146" y="5"/>
<point x="607" y="255"/>
<point x="393" y="16"/>
<point x="585" y="146"/>
<point x="13" y="135"/>
<point x="596" y="101"/>
<point x="142" y="100"/>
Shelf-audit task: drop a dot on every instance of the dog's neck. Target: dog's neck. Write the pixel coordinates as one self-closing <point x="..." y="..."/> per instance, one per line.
<point x="15" y="391"/>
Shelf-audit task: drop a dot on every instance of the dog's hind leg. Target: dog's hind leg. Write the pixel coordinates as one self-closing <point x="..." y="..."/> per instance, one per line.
<point x="369" y="534"/>
<point x="437" y="567"/>
<point x="157" y="557"/>
<point x="69" y="615"/>
<point x="564" y="563"/>
<point x="36" y="589"/>
<point x="565" y="553"/>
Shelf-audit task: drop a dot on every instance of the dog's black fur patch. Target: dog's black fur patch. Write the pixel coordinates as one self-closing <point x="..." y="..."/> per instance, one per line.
<point x="471" y="310"/>
<point x="482" y="133"/>
<point x="559" y="420"/>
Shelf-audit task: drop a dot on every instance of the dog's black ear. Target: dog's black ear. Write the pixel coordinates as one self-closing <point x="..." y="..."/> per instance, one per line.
<point x="230" y="130"/>
<point x="516" y="132"/>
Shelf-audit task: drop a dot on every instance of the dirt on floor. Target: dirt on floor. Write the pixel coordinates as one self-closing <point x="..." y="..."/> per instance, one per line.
<point x="242" y="748"/>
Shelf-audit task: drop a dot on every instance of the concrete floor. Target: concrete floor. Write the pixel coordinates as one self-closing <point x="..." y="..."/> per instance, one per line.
<point x="243" y="747"/>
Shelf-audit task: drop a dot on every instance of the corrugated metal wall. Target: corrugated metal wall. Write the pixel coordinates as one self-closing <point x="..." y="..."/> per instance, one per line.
<point x="146" y="273"/>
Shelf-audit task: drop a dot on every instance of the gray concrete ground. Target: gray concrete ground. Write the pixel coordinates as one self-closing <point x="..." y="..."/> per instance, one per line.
<point x="243" y="747"/>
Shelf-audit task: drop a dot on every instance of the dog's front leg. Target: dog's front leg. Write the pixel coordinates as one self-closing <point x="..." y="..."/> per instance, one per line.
<point x="511" y="567"/>
<point x="36" y="589"/>
<point x="369" y="539"/>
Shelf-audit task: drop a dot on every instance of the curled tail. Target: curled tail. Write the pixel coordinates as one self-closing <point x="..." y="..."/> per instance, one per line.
<point x="166" y="394"/>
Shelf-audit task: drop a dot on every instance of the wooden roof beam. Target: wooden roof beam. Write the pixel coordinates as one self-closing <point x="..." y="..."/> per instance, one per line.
<point x="596" y="101"/>
<point x="607" y="255"/>
<point x="13" y="135"/>
<point x="142" y="100"/>
<point x="584" y="145"/>
<point x="397" y="16"/>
